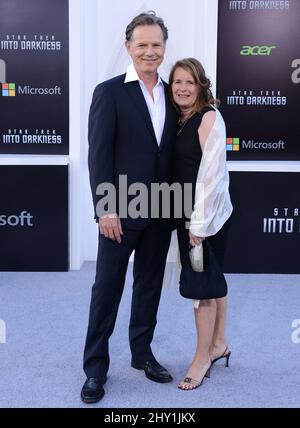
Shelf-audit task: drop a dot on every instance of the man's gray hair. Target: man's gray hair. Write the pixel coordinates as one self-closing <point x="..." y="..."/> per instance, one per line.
<point x="146" y="18"/>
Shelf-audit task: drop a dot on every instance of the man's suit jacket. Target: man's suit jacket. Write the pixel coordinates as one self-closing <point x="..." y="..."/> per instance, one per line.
<point x="122" y="140"/>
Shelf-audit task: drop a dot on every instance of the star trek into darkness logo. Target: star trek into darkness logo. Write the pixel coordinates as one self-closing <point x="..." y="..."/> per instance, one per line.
<point x="23" y="42"/>
<point x="283" y="221"/>
<point x="262" y="98"/>
<point x="279" y="5"/>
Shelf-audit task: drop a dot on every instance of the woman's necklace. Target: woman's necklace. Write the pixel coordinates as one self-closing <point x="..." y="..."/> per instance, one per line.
<point x="183" y="123"/>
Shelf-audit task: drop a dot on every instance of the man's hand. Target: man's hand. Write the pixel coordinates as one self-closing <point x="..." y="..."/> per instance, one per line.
<point x="195" y="240"/>
<point x="110" y="227"/>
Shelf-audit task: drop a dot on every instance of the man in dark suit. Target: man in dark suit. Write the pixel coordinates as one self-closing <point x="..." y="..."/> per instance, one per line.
<point x="132" y="127"/>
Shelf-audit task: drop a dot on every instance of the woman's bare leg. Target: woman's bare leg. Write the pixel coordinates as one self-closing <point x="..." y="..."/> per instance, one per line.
<point x="219" y="342"/>
<point x="205" y="317"/>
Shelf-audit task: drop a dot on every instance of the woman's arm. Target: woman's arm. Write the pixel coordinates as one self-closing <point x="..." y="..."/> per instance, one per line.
<point x="212" y="201"/>
<point x="205" y="127"/>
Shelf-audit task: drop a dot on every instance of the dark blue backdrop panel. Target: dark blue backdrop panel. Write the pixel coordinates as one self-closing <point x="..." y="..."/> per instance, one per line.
<point x="34" y="218"/>
<point x="34" y="76"/>
<point x="265" y="231"/>
<point x="258" y="78"/>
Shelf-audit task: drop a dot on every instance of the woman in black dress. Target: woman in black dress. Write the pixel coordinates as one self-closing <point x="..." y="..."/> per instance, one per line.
<point x="200" y="159"/>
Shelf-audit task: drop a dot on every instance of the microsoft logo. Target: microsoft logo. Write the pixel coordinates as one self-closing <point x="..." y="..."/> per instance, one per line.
<point x="232" y="144"/>
<point x="8" y="89"/>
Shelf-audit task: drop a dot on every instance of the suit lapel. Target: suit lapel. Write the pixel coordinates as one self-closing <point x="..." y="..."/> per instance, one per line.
<point x="136" y="94"/>
<point x="168" y="117"/>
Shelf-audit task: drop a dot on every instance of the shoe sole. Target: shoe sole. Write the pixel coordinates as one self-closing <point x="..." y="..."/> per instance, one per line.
<point x="167" y="380"/>
<point x="91" y="400"/>
<point x="158" y="381"/>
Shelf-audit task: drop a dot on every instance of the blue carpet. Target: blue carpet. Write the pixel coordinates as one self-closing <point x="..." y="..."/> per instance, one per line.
<point x="46" y="318"/>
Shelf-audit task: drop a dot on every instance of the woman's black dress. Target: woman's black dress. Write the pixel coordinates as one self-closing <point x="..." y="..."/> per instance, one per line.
<point x="187" y="157"/>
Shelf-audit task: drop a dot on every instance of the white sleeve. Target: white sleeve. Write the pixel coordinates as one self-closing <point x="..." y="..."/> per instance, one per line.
<point x="212" y="200"/>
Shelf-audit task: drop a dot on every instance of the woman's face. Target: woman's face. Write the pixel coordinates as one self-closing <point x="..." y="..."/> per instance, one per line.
<point x="184" y="89"/>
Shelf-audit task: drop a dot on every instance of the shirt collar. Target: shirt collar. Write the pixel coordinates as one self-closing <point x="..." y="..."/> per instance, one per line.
<point x="132" y="76"/>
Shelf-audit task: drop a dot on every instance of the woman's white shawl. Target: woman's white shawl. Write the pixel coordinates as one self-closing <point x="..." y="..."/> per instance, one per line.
<point x="212" y="200"/>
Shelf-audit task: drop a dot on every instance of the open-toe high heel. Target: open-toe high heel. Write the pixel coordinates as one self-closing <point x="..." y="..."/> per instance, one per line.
<point x="226" y="354"/>
<point x="194" y="383"/>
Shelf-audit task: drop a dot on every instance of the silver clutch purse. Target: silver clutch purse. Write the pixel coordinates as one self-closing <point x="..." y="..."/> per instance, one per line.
<point x="196" y="258"/>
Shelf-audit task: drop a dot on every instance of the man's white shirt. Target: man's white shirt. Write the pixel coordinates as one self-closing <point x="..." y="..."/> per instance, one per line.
<point x="156" y="106"/>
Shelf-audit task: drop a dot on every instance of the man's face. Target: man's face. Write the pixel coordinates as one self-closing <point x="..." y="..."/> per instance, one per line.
<point x="146" y="48"/>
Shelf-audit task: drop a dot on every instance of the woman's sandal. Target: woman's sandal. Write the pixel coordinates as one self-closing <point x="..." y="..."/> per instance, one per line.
<point x="193" y="382"/>
<point x="226" y="354"/>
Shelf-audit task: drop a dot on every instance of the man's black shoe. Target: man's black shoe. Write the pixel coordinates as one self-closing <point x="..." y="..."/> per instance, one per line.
<point x="92" y="390"/>
<point x="153" y="371"/>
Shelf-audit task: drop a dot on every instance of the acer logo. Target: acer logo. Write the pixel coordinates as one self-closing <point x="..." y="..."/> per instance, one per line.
<point x="256" y="50"/>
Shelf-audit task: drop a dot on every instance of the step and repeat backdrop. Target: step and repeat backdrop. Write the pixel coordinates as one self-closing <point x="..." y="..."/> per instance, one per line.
<point x="258" y="84"/>
<point x="34" y="120"/>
